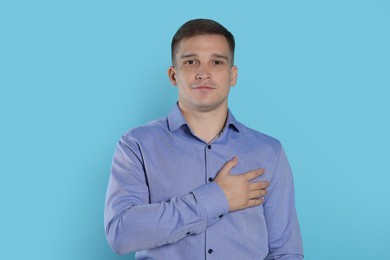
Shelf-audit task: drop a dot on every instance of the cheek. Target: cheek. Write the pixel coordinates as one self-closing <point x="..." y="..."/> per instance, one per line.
<point x="185" y="76"/>
<point x="225" y="78"/>
<point x="181" y="79"/>
<point x="182" y="82"/>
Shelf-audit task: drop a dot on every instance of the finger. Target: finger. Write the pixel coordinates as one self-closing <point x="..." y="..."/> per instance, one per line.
<point x="258" y="185"/>
<point x="254" y="174"/>
<point x="255" y="202"/>
<point x="257" y="194"/>
<point x="233" y="161"/>
<point x="229" y="165"/>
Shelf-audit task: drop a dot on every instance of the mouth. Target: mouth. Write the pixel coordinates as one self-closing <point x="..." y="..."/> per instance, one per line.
<point x="203" y="87"/>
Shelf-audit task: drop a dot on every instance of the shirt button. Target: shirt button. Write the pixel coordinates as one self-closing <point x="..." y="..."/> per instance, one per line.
<point x="210" y="251"/>
<point x="209" y="146"/>
<point x="211" y="179"/>
<point x="188" y="233"/>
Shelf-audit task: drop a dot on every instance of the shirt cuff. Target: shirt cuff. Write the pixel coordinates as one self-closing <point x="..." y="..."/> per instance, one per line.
<point x="213" y="200"/>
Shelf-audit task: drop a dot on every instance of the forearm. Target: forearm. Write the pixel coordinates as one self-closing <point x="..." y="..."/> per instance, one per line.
<point x="147" y="226"/>
<point x="133" y="223"/>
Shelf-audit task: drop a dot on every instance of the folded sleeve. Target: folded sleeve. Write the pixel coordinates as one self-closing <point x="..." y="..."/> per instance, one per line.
<point x="132" y="223"/>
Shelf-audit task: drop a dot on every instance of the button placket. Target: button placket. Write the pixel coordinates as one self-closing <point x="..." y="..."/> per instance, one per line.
<point x="210" y="171"/>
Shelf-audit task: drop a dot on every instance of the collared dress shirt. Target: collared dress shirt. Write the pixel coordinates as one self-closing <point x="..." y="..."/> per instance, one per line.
<point x="162" y="202"/>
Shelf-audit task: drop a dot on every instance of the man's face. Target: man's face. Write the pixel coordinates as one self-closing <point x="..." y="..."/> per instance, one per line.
<point x="203" y="72"/>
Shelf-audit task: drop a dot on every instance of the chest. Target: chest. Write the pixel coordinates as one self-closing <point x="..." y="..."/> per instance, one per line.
<point x="176" y="167"/>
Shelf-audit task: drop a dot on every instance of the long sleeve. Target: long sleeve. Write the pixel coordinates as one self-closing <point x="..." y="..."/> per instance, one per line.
<point x="132" y="223"/>
<point x="284" y="236"/>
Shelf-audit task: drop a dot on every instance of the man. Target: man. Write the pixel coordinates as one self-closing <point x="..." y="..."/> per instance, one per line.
<point x="198" y="184"/>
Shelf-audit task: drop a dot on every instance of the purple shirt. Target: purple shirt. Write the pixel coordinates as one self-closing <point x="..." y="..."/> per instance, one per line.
<point x="162" y="202"/>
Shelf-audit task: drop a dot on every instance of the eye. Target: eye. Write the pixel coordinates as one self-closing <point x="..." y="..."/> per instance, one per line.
<point x="189" y="62"/>
<point x="218" y="62"/>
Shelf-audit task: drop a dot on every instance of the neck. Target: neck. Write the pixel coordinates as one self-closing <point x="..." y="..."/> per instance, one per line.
<point x="206" y="125"/>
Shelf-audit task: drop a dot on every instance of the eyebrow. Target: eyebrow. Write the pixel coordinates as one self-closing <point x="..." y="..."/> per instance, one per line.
<point x="185" y="56"/>
<point x="219" y="56"/>
<point x="214" y="55"/>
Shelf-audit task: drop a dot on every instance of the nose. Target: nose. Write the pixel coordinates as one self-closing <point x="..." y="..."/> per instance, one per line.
<point x="202" y="73"/>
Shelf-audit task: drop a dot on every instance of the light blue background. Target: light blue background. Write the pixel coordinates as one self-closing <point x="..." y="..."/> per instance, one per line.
<point x="75" y="75"/>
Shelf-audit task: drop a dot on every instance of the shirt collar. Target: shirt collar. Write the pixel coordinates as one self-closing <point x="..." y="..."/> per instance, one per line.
<point x="176" y="120"/>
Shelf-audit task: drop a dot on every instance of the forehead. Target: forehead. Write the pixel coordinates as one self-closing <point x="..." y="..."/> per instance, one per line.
<point x="208" y="43"/>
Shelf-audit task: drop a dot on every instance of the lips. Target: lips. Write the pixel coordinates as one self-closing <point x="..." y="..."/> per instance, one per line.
<point x="203" y="86"/>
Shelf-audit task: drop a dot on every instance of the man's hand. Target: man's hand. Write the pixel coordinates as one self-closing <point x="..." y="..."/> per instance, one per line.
<point x="240" y="192"/>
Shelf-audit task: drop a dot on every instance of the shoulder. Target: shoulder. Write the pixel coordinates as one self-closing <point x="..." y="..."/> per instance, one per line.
<point x="147" y="131"/>
<point x="258" y="139"/>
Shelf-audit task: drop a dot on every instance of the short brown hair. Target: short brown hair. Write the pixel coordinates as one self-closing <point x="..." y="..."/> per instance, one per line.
<point x="200" y="27"/>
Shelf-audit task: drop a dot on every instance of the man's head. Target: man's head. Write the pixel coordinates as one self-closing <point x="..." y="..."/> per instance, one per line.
<point x="201" y="27"/>
<point x="203" y="70"/>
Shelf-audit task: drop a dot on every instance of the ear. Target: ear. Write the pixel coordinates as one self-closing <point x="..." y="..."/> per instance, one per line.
<point x="233" y="75"/>
<point x="172" y="75"/>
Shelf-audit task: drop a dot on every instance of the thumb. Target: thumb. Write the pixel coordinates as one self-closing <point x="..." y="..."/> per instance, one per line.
<point x="229" y="165"/>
